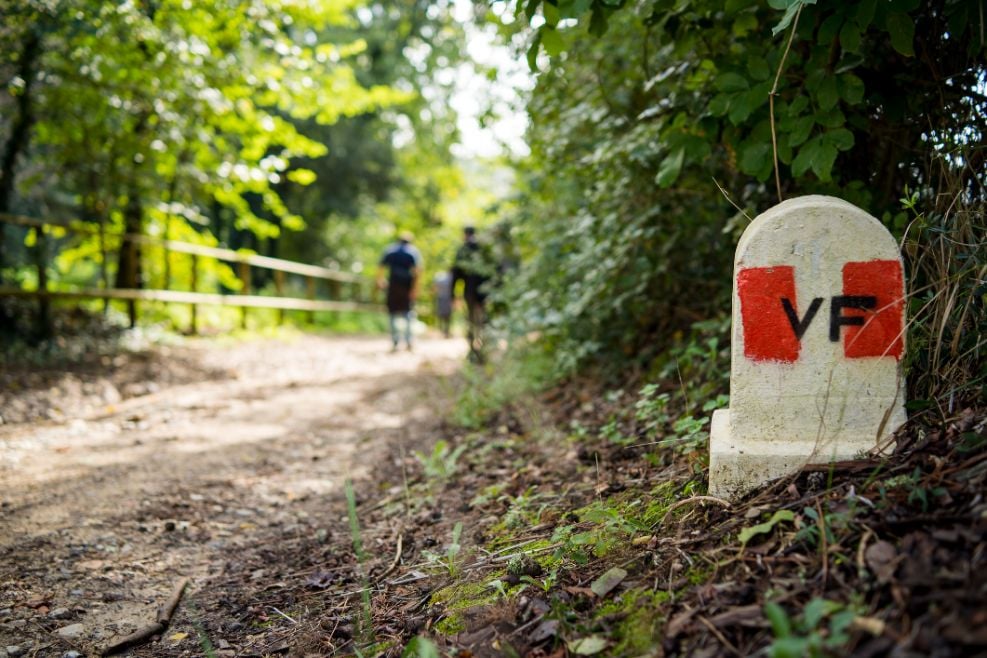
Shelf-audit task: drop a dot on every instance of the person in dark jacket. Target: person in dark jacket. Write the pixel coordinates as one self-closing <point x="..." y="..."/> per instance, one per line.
<point x="402" y="265"/>
<point x="473" y="266"/>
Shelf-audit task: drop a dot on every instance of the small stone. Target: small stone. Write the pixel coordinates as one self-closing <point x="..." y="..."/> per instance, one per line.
<point x="71" y="654"/>
<point x="70" y="632"/>
<point x="59" y="613"/>
<point x="14" y="650"/>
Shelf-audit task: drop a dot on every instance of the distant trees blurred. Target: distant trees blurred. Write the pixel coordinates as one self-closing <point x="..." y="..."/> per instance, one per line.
<point x="239" y="123"/>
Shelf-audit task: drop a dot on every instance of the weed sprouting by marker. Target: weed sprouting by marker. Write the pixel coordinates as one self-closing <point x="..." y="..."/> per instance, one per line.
<point x="365" y="627"/>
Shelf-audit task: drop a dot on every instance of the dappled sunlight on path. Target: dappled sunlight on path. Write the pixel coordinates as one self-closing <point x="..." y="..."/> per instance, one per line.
<point x="163" y="482"/>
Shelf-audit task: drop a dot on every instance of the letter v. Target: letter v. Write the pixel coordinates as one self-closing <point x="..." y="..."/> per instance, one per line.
<point x="799" y="326"/>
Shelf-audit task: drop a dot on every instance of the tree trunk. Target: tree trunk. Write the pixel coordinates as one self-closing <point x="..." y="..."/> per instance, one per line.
<point x="20" y="131"/>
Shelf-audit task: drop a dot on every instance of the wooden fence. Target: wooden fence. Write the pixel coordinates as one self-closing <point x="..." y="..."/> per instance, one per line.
<point x="345" y="292"/>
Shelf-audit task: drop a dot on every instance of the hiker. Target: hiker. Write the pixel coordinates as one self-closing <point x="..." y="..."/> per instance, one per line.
<point x="473" y="267"/>
<point x="403" y="264"/>
<point x="442" y="288"/>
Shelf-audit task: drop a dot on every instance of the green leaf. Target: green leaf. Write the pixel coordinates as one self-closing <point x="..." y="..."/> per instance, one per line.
<point x="761" y="528"/>
<point x="552" y="40"/>
<point x="850" y="37"/>
<point x="720" y="104"/>
<point x="758" y="68"/>
<point x="574" y="8"/>
<point x="864" y="12"/>
<point x="827" y="93"/>
<point x="789" y="16"/>
<point x="754" y="157"/>
<point x="732" y="82"/>
<point x="798" y="105"/>
<point x="851" y="88"/>
<point x="778" y="618"/>
<point x="816" y="610"/>
<point x="551" y="13"/>
<point x="420" y="647"/>
<point x="789" y="647"/>
<point x="833" y="118"/>
<point x="302" y="176"/>
<point x="670" y="168"/>
<point x="605" y="583"/>
<point x="587" y="646"/>
<point x="840" y="138"/>
<point x="901" y="28"/>
<point x="533" y="52"/>
<point x="598" y="23"/>
<point x="823" y="160"/>
<point x="829" y="29"/>
<point x="801" y="130"/>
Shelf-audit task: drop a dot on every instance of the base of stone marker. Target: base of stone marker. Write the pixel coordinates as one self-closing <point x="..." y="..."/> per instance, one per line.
<point x="736" y="470"/>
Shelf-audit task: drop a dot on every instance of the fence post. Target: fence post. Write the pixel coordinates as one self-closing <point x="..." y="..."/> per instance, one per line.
<point x="310" y="287"/>
<point x="44" y="303"/>
<point x="244" y="290"/>
<point x="133" y="253"/>
<point x="104" y="273"/>
<point x="279" y="287"/>
<point x="194" y="328"/>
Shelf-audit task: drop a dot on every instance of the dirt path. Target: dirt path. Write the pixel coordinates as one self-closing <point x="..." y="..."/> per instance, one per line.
<point x="102" y="513"/>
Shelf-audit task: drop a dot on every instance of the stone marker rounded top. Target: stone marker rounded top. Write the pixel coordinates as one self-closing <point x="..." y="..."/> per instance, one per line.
<point x="778" y="233"/>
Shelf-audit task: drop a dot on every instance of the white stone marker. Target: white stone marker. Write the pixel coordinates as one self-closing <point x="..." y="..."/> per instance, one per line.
<point x="818" y="336"/>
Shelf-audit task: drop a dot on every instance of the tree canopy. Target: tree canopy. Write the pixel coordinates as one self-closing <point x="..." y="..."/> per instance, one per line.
<point x="660" y="128"/>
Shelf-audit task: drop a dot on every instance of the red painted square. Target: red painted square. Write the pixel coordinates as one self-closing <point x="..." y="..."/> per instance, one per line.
<point x="884" y="327"/>
<point x="768" y="334"/>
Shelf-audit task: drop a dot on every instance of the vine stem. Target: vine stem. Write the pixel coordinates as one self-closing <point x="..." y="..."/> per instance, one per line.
<point x="771" y="100"/>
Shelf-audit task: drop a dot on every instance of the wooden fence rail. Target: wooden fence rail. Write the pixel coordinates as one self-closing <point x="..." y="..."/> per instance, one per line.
<point x="357" y="289"/>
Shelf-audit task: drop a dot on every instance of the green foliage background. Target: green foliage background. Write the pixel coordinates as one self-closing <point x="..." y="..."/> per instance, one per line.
<point x="654" y="130"/>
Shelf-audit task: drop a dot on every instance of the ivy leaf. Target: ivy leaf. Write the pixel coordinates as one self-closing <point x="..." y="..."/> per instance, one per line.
<point x="552" y="40"/>
<point x="902" y="32"/>
<point x="670" y="168"/>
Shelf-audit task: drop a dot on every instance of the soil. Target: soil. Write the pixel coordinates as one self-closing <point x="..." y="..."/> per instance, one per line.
<point x="198" y="460"/>
<point x="518" y="537"/>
